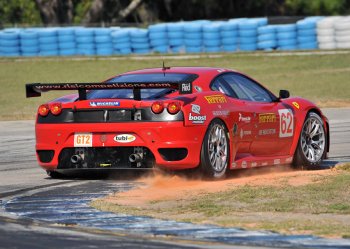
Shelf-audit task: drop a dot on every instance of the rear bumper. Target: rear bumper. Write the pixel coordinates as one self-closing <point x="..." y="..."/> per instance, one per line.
<point x="155" y="136"/>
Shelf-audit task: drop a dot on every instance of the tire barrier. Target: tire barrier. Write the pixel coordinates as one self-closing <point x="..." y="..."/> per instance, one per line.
<point x="239" y="34"/>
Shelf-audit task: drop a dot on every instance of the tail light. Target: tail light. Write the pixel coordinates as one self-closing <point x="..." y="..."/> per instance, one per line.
<point x="43" y="110"/>
<point x="174" y="107"/>
<point x="157" y="107"/>
<point x="56" y="108"/>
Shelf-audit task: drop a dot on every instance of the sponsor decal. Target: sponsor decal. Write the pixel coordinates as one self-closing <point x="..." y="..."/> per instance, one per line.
<point x="289" y="159"/>
<point x="267" y="118"/>
<point x="197" y="119"/>
<point x="276" y="161"/>
<point x="296" y="105"/>
<point x="104" y="103"/>
<point x="221" y="113"/>
<point x="286" y="123"/>
<point x="245" y="119"/>
<point x="267" y="132"/>
<point x="244" y="164"/>
<point x="216" y="99"/>
<point x="196" y="109"/>
<point x="245" y="133"/>
<point x="185" y="88"/>
<point x="264" y="164"/>
<point x="233" y="165"/>
<point x="82" y="139"/>
<point x="254" y="164"/>
<point x="124" y="138"/>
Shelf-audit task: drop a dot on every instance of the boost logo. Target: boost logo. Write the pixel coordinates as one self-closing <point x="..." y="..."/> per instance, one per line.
<point x="124" y="138"/>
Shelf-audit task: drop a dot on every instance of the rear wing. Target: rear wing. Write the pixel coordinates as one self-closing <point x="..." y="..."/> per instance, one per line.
<point x="35" y="89"/>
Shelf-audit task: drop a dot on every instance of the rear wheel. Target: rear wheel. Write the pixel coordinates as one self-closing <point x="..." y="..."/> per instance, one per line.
<point x="215" y="151"/>
<point x="312" y="143"/>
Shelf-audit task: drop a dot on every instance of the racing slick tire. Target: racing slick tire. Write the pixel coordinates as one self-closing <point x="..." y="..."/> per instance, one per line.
<point x="312" y="144"/>
<point x="215" y="151"/>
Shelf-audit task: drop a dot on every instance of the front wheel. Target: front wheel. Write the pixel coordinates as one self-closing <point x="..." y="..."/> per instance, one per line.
<point x="215" y="151"/>
<point x="312" y="143"/>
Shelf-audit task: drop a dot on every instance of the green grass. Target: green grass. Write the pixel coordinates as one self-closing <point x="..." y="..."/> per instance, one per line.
<point x="316" y="77"/>
<point x="321" y="207"/>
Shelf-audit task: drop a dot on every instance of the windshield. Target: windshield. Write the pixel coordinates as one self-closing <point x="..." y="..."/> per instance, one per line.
<point x="145" y="93"/>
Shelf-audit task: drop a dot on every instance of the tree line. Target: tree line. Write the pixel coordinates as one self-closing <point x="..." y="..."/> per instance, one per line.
<point x="110" y="12"/>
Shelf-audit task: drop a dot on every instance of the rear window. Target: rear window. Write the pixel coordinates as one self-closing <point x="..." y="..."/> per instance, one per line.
<point x="145" y="93"/>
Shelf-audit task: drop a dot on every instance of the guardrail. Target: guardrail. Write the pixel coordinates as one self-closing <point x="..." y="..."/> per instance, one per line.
<point x="241" y="34"/>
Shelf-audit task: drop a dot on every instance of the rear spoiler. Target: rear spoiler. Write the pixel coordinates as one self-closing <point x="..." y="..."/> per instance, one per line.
<point x="35" y="89"/>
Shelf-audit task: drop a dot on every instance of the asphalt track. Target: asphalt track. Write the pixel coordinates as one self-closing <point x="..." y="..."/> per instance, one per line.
<point x="39" y="212"/>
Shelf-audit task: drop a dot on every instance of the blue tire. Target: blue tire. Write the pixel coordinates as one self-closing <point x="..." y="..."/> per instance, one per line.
<point x="307" y="39"/>
<point x="120" y="34"/>
<point x="307" y="32"/>
<point x="252" y="39"/>
<point x="269" y="29"/>
<point x="29" y="42"/>
<point x="9" y="43"/>
<point x="125" y="51"/>
<point x="160" y="42"/>
<point x="213" y="49"/>
<point x="121" y="40"/>
<point x="104" y="46"/>
<point x="211" y="36"/>
<point x="28" y="35"/>
<point x="211" y="28"/>
<point x="308" y="45"/>
<point x="10" y="50"/>
<point x="66" y="38"/>
<point x="158" y="35"/>
<point x="229" y="41"/>
<point x="140" y="46"/>
<point x="29" y="54"/>
<point x="246" y="25"/>
<point x="48" y="39"/>
<point x="48" y="46"/>
<point x="193" y="43"/>
<point x="65" y="31"/>
<point x="176" y="42"/>
<point x="192" y="28"/>
<point x="87" y="46"/>
<point x="161" y="49"/>
<point x="139" y="33"/>
<point x="177" y="49"/>
<point x="194" y="35"/>
<point x="7" y="35"/>
<point x="229" y="26"/>
<point x="30" y="49"/>
<point x="84" y="39"/>
<point x="288" y="47"/>
<point x="229" y="48"/>
<point x="105" y="51"/>
<point x="123" y="45"/>
<point x="248" y="47"/>
<point x="229" y="34"/>
<point x="286" y="35"/>
<point x="157" y="28"/>
<point x="103" y="39"/>
<point x="287" y="42"/>
<point x="196" y="49"/>
<point x="49" y="53"/>
<point x="267" y="44"/>
<point x="47" y="32"/>
<point x="102" y="31"/>
<point x="141" y="51"/>
<point x="212" y="43"/>
<point x="68" y="52"/>
<point x="82" y="32"/>
<point x="86" y="52"/>
<point x="175" y="35"/>
<point x="247" y="33"/>
<point x="11" y="54"/>
<point x="66" y="45"/>
<point x="139" y="40"/>
<point x="175" y="27"/>
<point x="267" y="37"/>
<point x="302" y="25"/>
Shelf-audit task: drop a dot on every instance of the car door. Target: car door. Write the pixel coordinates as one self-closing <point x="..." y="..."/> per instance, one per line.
<point x="272" y="124"/>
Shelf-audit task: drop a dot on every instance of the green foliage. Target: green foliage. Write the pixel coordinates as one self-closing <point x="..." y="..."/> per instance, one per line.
<point x="19" y="12"/>
<point x="82" y="7"/>
<point x="316" y="7"/>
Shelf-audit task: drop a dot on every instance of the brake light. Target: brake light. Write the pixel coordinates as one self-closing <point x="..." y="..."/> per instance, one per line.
<point x="157" y="107"/>
<point x="43" y="110"/>
<point x="56" y="108"/>
<point x="174" y="107"/>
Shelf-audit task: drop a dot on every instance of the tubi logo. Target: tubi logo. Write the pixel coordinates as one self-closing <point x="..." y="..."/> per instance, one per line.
<point x="124" y="138"/>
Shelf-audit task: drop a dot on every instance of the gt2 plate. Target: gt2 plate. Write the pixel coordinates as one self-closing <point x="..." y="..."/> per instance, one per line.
<point x="83" y="140"/>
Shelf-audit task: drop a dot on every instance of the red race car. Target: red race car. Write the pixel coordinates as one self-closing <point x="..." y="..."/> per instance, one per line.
<point x="176" y="118"/>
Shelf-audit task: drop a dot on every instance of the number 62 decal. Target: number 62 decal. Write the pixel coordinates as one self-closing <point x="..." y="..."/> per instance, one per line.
<point x="286" y="123"/>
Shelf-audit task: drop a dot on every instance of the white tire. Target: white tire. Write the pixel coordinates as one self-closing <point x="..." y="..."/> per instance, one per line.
<point x="343" y="44"/>
<point x="342" y="25"/>
<point x="328" y="22"/>
<point x="326" y="32"/>
<point x="328" y="45"/>
<point x="325" y="39"/>
<point x="342" y="32"/>
<point x="343" y="38"/>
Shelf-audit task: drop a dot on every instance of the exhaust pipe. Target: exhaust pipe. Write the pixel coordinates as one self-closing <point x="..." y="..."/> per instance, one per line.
<point x="135" y="158"/>
<point x="76" y="159"/>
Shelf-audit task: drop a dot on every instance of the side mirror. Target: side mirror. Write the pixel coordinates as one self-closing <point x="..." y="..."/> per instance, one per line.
<point x="284" y="94"/>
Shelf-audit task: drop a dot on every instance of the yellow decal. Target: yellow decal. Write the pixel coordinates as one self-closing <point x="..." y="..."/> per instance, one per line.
<point x="296" y="105"/>
<point x="267" y="117"/>
<point x="215" y="99"/>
